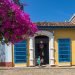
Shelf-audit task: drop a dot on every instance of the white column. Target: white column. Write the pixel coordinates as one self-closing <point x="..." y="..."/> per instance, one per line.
<point x="5" y="52"/>
<point x="31" y="59"/>
<point x="51" y="51"/>
<point x="8" y="53"/>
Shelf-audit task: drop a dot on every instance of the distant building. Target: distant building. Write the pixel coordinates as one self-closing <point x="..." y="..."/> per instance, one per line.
<point x="72" y="19"/>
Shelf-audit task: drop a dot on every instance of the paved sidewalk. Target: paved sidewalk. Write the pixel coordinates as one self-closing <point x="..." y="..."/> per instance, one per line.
<point x="38" y="71"/>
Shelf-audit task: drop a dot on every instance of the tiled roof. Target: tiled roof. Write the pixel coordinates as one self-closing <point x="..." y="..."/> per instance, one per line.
<point x="54" y="24"/>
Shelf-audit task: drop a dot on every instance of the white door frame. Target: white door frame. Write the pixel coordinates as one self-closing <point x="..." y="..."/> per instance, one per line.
<point x="32" y="47"/>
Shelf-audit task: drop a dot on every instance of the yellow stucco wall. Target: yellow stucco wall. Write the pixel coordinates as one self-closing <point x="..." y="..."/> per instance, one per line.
<point x="59" y="33"/>
<point x="65" y="33"/>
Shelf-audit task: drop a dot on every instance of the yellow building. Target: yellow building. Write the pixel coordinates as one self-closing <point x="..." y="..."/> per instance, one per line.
<point x="53" y="43"/>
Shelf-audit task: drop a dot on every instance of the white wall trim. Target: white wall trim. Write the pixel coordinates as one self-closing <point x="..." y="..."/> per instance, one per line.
<point x="32" y="47"/>
<point x="31" y="59"/>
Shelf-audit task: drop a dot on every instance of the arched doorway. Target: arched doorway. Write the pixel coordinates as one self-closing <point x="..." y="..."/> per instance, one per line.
<point x="42" y="46"/>
<point x="32" y="48"/>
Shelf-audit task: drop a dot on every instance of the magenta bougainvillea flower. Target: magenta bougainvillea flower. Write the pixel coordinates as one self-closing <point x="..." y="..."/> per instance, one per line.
<point x="15" y="24"/>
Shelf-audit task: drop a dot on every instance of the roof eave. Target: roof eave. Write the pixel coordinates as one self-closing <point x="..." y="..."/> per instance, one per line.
<point x="54" y="27"/>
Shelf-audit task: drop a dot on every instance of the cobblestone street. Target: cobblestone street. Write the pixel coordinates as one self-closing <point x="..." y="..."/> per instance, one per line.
<point x="38" y="71"/>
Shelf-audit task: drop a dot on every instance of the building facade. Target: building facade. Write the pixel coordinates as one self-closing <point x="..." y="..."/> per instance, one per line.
<point x="54" y="42"/>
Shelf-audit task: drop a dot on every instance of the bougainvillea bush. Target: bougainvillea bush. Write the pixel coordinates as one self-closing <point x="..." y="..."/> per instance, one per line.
<point x="15" y="24"/>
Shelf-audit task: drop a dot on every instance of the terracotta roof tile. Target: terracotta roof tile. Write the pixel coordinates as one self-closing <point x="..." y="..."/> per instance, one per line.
<point x="54" y="24"/>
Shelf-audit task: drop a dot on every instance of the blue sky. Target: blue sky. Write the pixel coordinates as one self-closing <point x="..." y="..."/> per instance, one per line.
<point x="49" y="10"/>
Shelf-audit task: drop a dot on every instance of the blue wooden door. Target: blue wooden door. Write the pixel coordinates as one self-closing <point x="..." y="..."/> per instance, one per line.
<point x="20" y="52"/>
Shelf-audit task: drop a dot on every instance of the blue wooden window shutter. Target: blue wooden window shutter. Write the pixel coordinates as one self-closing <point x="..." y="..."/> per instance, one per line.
<point x="64" y="50"/>
<point x="20" y="52"/>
